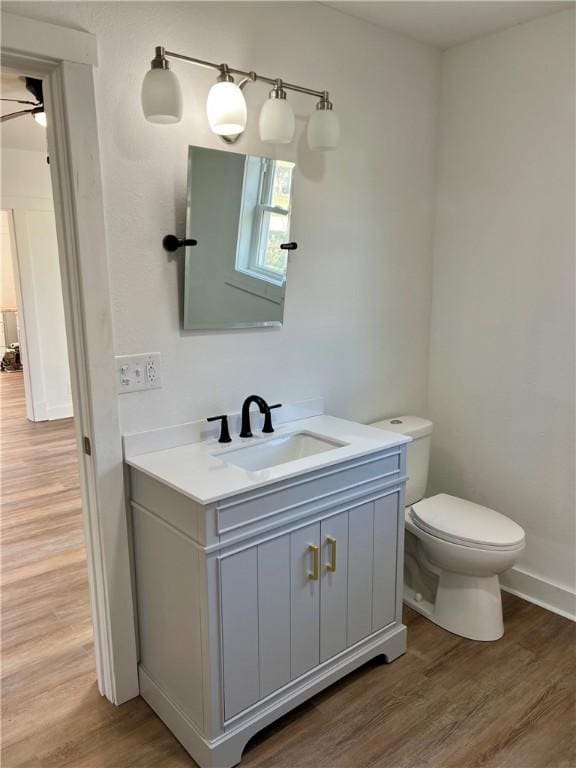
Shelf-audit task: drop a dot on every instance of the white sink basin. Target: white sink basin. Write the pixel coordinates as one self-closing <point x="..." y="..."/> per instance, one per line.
<point x="279" y="450"/>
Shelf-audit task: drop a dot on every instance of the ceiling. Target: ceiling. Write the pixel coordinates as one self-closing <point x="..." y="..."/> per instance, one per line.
<point x="451" y="22"/>
<point x="23" y="132"/>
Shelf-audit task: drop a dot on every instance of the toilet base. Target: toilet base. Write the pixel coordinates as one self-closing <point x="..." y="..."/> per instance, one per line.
<point x="468" y="606"/>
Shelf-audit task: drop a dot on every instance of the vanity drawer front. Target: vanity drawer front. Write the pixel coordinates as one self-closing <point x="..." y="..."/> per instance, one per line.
<point x="283" y="501"/>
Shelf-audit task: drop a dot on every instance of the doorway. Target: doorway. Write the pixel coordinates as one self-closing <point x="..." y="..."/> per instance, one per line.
<point x="47" y="634"/>
<point x="64" y="59"/>
<point x="30" y="259"/>
<point x="10" y="359"/>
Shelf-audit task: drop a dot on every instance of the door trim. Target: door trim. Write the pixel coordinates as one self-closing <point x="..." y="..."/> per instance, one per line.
<point x="64" y="59"/>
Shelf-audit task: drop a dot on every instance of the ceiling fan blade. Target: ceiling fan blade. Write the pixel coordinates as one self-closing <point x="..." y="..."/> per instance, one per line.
<point x="34" y="86"/>
<point x="22" y="101"/>
<point x="12" y="115"/>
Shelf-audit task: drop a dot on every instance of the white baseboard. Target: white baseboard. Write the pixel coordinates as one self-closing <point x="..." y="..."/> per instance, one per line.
<point x="62" y="411"/>
<point x="547" y="594"/>
<point x="39" y="411"/>
<point x="45" y="412"/>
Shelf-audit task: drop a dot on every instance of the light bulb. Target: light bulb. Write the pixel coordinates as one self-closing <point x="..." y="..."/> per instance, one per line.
<point x="161" y="96"/>
<point x="226" y="109"/>
<point x="40" y="118"/>
<point x="277" y="119"/>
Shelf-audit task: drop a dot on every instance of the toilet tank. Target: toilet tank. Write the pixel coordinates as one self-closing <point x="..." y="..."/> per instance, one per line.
<point x="418" y="452"/>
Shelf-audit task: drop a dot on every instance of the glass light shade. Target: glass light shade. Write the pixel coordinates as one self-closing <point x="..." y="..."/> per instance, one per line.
<point x="226" y="109"/>
<point x="323" y="130"/>
<point x="40" y="118"/>
<point x="161" y="96"/>
<point x="277" y="122"/>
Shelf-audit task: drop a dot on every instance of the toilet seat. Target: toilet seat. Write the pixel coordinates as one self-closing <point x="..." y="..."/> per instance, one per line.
<point x="467" y="524"/>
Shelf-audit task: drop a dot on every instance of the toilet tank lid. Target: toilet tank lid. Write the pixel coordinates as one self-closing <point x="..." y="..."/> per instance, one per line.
<point x="413" y="426"/>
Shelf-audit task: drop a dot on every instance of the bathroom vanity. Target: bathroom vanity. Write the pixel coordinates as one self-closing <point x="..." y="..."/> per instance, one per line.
<point x="265" y="570"/>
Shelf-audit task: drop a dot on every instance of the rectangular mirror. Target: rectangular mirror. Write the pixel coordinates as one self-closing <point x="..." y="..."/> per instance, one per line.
<point x="238" y="210"/>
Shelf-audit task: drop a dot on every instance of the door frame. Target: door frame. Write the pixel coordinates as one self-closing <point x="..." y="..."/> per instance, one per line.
<point x="23" y="317"/>
<point x="64" y="59"/>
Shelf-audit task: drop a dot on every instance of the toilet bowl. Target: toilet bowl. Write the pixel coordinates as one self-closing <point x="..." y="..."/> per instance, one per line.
<point x="467" y="600"/>
<point x="455" y="550"/>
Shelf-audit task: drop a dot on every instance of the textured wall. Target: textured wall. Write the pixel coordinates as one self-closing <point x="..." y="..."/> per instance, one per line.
<point x="358" y="298"/>
<point x="502" y="344"/>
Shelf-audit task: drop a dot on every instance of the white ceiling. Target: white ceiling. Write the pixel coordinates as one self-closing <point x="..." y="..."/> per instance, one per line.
<point x="22" y="132"/>
<point x="451" y="22"/>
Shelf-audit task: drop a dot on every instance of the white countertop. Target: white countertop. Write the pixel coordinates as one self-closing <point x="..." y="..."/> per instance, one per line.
<point x="195" y="471"/>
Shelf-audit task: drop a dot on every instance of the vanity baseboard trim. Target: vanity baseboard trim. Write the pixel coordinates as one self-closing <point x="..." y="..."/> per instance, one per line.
<point x="226" y="750"/>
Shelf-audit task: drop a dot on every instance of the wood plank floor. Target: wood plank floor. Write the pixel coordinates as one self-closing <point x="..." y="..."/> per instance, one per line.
<point x="448" y="703"/>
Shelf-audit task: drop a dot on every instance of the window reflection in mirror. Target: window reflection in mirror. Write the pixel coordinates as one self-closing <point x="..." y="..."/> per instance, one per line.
<point x="265" y="218"/>
<point x="239" y="212"/>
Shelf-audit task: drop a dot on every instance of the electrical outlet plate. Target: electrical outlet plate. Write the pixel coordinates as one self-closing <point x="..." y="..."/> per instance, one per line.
<point x="135" y="373"/>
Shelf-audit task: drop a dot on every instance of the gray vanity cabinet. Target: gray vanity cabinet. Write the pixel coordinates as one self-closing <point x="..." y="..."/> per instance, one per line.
<point x="249" y="606"/>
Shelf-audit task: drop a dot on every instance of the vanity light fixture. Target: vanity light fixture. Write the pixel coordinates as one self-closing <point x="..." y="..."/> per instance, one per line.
<point x="226" y="106"/>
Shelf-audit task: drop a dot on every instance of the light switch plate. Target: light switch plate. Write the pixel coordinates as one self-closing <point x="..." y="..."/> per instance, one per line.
<point x="135" y="373"/>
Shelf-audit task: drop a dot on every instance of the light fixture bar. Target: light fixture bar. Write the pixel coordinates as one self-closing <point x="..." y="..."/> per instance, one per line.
<point x="250" y="75"/>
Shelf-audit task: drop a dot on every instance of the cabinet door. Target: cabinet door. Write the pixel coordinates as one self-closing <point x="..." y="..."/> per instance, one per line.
<point x="239" y="616"/>
<point x="274" y="613"/>
<point x="386" y="512"/>
<point x="255" y="594"/>
<point x="305" y="599"/>
<point x="360" y="570"/>
<point x="299" y="599"/>
<point x="334" y="585"/>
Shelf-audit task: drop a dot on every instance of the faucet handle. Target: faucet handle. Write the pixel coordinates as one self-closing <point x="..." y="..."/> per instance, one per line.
<point x="224" y="431"/>
<point x="268" y="418"/>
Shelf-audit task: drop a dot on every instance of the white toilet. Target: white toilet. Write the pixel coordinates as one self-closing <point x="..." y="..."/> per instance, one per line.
<point x="454" y="549"/>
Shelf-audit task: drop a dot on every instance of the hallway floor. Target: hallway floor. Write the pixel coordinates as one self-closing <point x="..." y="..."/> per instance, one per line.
<point x="447" y="703"/>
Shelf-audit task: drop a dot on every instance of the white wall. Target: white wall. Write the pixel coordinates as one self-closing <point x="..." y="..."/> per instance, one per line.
<point x="26" y="191"/>
<point x="358" y="297"/>
<point x="7" y="284"/>
<point x="502" y="341"/>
